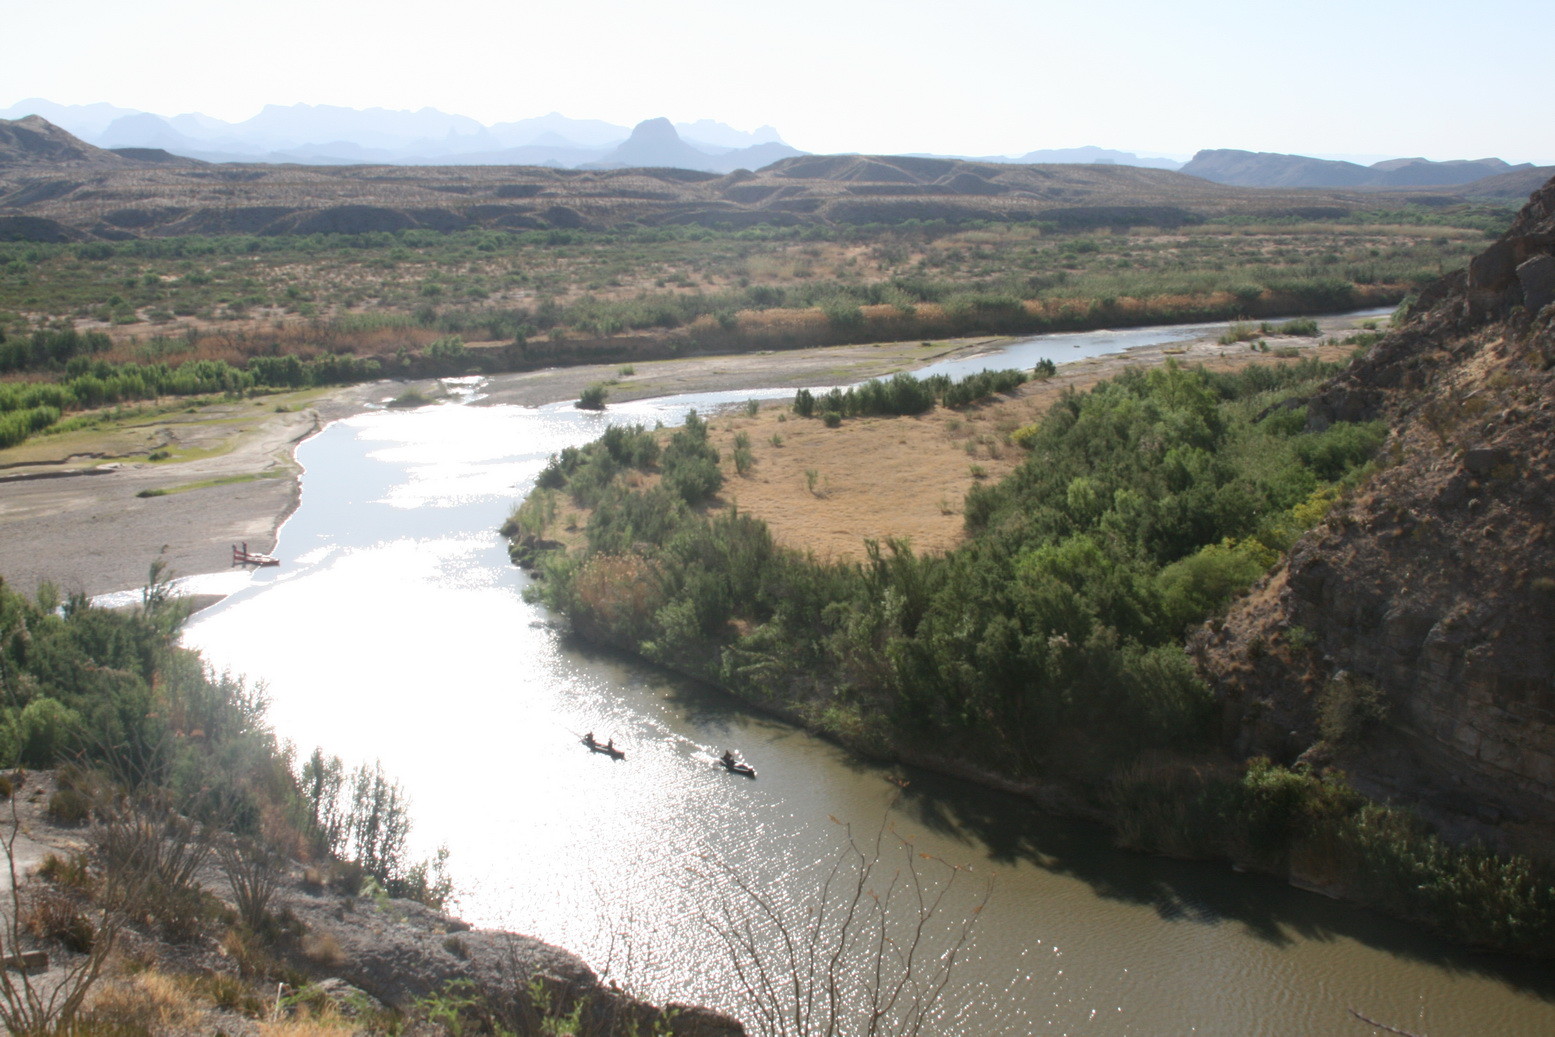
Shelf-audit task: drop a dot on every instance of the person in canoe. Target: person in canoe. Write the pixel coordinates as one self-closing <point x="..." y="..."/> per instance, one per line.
<point x="728" y="758"/>
<point x="589" y="738"/>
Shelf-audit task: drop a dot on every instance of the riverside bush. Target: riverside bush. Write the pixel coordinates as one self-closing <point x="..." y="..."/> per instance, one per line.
<point x="904" y="394"/>
<point x="1283" y="819"/>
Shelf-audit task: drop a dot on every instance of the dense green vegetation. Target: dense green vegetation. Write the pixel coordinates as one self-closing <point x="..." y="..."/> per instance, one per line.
<point x="27" y="408"/>
<point x="906" y="394"/>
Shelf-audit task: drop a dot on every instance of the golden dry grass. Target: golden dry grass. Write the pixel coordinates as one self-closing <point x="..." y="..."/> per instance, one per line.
<point x="875" y="478"/>
<point x="155" y="1000"/>
<point x="901" y="477"/>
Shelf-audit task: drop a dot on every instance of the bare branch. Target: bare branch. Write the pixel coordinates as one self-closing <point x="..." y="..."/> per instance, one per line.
<point x="867" y="957"/>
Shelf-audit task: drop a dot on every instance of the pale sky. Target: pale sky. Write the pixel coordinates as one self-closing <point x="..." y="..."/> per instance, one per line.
<point x="976" y="77"/>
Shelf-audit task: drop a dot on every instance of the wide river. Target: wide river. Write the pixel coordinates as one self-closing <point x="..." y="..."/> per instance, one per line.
<point x="394" y="630"/>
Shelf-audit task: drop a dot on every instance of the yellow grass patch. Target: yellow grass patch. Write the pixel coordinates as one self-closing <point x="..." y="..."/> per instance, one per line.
<point x="828" y="490"/>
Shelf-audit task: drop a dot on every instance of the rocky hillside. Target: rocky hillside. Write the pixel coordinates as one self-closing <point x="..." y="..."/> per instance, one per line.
<point x="1410" y="639"/>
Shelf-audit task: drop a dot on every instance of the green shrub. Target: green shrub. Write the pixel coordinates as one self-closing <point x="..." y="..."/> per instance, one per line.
<point x="410" y="398"/>
<point x="1348" y="706"/>
<point x="593" y="397"/>
<point x="46" y="731"/>
<point x="69" y="807"/>
<point x="1304" y="326"/>
<point x="1238" y="332"/>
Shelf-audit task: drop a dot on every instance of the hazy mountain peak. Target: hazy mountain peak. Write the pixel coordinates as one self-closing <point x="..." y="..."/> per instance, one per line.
<point x="654" y="131"/>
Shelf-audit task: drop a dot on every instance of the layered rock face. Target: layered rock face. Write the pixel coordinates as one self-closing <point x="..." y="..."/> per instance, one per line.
<point x="1410" y="639"/>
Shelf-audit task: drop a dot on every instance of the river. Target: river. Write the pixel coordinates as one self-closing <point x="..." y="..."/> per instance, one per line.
<point x="394" y="630"/>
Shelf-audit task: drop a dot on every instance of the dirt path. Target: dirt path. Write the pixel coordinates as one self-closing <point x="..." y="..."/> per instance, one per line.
<point x="72" y="510"/>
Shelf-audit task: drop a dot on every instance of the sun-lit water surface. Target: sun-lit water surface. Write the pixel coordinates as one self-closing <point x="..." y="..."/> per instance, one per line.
<point x="394" y="630"/>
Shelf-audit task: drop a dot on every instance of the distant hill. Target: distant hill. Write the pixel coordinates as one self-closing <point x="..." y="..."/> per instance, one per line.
<point x="1516" y="185"/>
<point x="1102" y="156"/>
<point x="34" y="141"/>
<point x="1267" y="169"/>
<point x="55" y="187"/>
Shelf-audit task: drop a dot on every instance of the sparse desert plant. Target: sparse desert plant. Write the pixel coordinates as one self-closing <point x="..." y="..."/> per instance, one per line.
<point x="54" y="915"/>
<point x="323" y="949"/>
<point x="253" y="872"/>
<point x="229" y="992"/>
<point x="32" y="1004"/>
<point x="159" y="853"/>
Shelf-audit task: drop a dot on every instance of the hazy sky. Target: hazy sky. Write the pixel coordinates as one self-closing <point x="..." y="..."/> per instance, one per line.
<point x="1366" y="77"/>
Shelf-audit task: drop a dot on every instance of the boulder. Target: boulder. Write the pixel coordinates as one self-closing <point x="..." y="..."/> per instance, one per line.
<point x="1537" y="277"/>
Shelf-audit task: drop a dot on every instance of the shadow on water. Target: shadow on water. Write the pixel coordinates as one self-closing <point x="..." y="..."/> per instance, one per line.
<point x="1011" y="830"/>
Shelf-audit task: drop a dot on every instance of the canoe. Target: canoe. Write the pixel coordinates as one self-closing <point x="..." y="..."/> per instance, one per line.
<point x="738" y="767"/>
<point x="608" y="750"/>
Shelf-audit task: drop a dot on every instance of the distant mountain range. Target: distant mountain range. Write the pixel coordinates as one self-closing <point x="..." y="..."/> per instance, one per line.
<point x="332" y="135"/>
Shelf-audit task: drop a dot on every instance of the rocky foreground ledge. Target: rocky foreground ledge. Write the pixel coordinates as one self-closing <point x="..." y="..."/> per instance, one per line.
<point x="369" y="956"/>
<point x="399" y="951"/>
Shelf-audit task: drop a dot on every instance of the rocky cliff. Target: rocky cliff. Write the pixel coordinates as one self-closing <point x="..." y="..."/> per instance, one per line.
<point x="1410" y="639"/>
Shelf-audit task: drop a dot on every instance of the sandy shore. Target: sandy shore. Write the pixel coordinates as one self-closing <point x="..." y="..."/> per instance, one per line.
<point x="73" y="512"/>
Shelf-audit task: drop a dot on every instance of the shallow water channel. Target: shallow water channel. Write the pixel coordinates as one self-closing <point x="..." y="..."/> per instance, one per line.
<point x="394" y="630"/>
